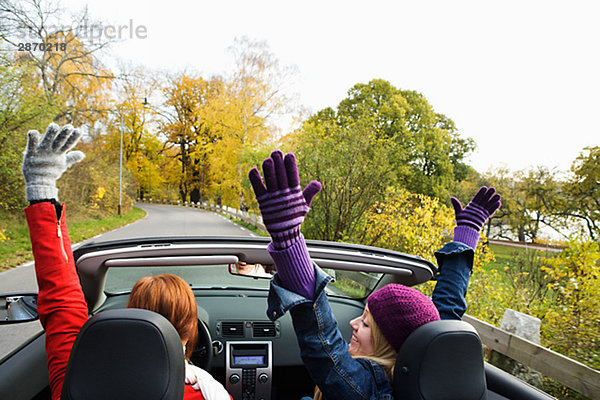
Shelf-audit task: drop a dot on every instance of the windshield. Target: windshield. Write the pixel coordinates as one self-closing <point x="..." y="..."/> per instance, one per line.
<point x="349" y="284"/>
<point x="122" y="279"/>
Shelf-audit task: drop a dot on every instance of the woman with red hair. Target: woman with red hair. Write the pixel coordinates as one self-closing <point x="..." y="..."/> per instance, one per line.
<point x="170" y="296"/>
<point x="61" y="303"/>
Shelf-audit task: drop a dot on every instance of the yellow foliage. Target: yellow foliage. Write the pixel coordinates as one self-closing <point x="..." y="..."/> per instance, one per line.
<point x="410" y="223"/>
<point x="215" y="122"/>
<point x="99" y="193"/>
<point x="77" y="78"/>
<point x="563" y="291"/>
<point x="92" y="186"/>
<point x="2" y="237"/>
<point x="571" y="324"/>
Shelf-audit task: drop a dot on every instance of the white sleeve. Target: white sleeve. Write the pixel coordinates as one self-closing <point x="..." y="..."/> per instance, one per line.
<point x="203" y="381"/>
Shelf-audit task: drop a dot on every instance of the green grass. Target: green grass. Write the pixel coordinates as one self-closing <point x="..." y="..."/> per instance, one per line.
<point x="15" y="248"/>
<point x="246" y="225"/>
<point x="350" y="288"/>
<point x="504" y="255"/>
<point x="84" y="229"/>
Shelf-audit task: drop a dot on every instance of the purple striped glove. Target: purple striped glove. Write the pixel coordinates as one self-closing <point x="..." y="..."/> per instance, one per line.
<point x="282" y="203"/>
<point x="283" y="207"/>
<point x="470" y="220"/>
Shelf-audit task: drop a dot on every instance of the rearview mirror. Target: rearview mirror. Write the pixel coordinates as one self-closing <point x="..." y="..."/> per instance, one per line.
<point x="253" y="270"/>
<point x="15" y="308"/>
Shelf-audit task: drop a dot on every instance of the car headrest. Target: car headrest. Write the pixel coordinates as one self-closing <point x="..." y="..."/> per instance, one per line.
<point x="126" y="354"/>
<point x="441" y="360"/>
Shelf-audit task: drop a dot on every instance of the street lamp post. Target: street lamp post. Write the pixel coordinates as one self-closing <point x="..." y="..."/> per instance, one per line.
<point x="145" y="105"/>
<point x="120" y="166"/>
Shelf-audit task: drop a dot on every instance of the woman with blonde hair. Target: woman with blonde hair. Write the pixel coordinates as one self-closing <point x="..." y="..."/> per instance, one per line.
<point x="362" y="368"/>
<point x="382" y="352"/>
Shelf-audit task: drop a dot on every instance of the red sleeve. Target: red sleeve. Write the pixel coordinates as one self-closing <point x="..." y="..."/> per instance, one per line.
<point x="190" y="394"/>
<point x="61" y="304"/>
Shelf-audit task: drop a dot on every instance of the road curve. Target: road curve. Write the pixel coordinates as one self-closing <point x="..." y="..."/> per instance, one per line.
<point x="163" y="220"/>
<point x="160" y="220"/>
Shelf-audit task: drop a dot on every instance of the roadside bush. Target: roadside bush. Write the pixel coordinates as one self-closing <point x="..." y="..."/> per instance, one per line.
<point x="408" y="222"/>
<point x="562" y="290"/>
<point x="571" y="326"/>
<point x="520" y="284"/>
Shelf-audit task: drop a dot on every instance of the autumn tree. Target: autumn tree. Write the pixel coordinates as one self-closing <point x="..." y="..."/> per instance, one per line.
<point x="244" y="115"/>
<point x="188" y="130"/>
<point x="91" y="188"/>
<point x="408" y="222"/>
<point x="257" y="89"/>
<point x="134" y="118"/>
<point x="22" y="107"/>
<point x="73" y="79"/>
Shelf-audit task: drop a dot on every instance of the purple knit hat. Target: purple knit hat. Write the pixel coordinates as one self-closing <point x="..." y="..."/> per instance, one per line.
<point x="399" y="310"/>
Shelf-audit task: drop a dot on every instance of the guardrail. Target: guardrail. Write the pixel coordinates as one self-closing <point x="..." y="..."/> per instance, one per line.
<point x="568" y="372"/>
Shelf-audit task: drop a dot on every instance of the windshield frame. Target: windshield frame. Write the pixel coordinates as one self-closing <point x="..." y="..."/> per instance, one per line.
<point x="94" y="260"/>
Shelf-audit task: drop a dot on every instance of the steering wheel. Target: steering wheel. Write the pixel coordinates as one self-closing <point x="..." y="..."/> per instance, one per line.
<point x="203" y="353"/>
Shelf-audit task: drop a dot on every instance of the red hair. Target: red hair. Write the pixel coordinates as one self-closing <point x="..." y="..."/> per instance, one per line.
<point x="170" y="296"/>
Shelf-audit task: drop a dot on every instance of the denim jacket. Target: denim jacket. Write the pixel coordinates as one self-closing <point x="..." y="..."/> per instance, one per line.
<point x="324" y="350"/>
<point x="455" y="261"/>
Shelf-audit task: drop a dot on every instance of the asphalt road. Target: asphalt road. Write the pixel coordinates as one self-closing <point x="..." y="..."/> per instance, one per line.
<point x="161" y="220"/>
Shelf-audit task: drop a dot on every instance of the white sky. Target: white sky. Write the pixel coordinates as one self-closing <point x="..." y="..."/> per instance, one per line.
<point x="522" y="78"/>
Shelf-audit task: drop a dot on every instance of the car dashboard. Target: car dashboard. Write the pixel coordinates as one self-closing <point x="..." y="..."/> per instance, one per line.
<point x="246" y="344"/>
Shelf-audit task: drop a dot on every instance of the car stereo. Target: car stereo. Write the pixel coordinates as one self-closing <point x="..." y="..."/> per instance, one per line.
<point x="248" y="370"/>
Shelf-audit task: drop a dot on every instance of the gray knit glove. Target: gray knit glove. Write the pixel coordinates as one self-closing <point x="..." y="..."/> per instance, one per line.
<point x="45" y="162"/>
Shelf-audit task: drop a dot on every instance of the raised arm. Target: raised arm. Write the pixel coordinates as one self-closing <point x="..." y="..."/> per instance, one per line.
<point x="61" y="304"/>
<point x="298" y="286"/>
<point x="456" y="258"/>
<point x="284" y="205"/>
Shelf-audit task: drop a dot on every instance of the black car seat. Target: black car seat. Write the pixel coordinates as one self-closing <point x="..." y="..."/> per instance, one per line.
<point x="126" y="354"/>
<point x="441" y="360"/>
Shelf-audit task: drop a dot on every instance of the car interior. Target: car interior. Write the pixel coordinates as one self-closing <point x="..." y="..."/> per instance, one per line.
<point x="252" y="356"/>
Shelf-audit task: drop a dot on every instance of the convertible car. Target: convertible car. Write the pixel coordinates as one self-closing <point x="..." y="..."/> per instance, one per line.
<point x="252" y="356"/>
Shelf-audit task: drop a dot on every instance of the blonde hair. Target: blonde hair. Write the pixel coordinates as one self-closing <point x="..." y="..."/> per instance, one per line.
<point x="383" y="354"/>
<point x="171" y="297"/>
